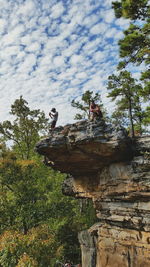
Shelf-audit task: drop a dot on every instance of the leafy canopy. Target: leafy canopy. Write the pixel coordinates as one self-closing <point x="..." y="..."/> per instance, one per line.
<point x="39" y="225"/>
<point x="25" y="130"/>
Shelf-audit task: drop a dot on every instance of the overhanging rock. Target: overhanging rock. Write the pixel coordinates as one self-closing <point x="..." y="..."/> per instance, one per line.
<point x="84" y="148"/>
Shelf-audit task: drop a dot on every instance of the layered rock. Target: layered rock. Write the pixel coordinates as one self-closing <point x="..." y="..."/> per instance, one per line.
<point x="114" y="171"/>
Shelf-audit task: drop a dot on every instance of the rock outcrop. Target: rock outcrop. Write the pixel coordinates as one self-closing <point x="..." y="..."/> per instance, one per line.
<point x="114" y="171"/>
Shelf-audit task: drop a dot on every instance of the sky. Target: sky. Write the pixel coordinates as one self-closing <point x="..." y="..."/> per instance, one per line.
<point x="52" y="51"/>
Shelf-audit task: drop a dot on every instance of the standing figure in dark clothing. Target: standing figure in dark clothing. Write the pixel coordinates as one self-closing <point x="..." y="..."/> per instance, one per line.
<point x="54" y="116"/>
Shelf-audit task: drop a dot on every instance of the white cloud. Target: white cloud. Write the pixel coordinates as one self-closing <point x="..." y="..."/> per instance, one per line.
<point x="33" y="47"/>
<point x="58" y="61"/>
<point x="27" y="9"/>
<point x="10" y="51"/>
<point x="81" y="75"/>
<point x="53" y="52"/>
<point x="109" y="16"/>
<point x="111" y="32"/>
<point x="99" y="28"/>
<point x="91" y="46"/>
<point x="12" y="36"/>
<point x="90" y="20"/>
<point x="3" y="24"/>
<point x="57" y="10"/>
<point x="100" y="55"/>
<point x="75" y="59"/>
<point x="122" y="23"/>
<point x="28" y="63"/>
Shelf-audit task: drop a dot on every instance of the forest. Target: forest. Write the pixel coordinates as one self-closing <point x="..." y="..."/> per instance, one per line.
<point x="39" y="225"/>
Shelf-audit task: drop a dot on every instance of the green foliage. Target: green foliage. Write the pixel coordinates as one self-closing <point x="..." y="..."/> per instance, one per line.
<point x="135" y="46"/>
<point x="129" y="107"/>
<point x="145" y="76"/>
<point x="37" y="248"/>
<point x="84" y="104"/>
<point x="23" y="186"/>
<point x="33" y="198"/>
<point x="119" y="117"/>
<point x="134" y="49"/>
<point x="132" y="9"/>
<point x="146" y="118"/>
<point x="39" y="225"/>
<point x="25" y="130"/>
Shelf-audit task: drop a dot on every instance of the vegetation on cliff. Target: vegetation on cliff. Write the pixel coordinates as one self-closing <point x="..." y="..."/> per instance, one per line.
<point x="135" y="51"/>
<point x="39" y="225"/>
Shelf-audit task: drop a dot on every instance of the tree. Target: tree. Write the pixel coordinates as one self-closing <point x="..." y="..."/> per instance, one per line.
<point x="24" y="187"/>
<point x="119" y="117"/>
<point x="131" y="9"/>
<point x="36" y="249"/>
<point x="25" y="130"/>
<point x="146" y="119"/>
<point x="135" y="46"/>
<point x="128" y="91"/>
<point x="31" y="198"/>
<point x="135" y="49"/>
<point x="145" y="76"/>
<point x="84" y="104"/>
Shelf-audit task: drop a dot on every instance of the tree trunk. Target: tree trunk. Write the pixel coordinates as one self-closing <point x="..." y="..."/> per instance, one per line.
<point x="131" y="118"/>
<point x="25" y="228"/>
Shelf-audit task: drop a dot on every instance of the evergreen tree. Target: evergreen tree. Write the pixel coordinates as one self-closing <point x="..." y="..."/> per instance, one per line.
<point x="25" y="130"/>
<point x="127" y="90"/>
<point x="131" y="9"/>
<point x="135" y="46"/>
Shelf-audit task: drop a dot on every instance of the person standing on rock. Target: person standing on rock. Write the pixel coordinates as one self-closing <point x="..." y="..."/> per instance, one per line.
<point x="54" y="116"/>
<point x="95" y="110"/>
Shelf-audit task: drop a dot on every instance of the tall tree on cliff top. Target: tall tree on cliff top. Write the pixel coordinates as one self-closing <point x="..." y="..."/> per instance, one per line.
<point x="125" y="89"/>
<point x="135" y="46"/>
<point x="84" y="104"/>
<point x="25" y="130"/>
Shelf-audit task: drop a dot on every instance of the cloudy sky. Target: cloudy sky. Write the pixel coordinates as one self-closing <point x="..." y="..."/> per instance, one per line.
<point x="52" y="51"/>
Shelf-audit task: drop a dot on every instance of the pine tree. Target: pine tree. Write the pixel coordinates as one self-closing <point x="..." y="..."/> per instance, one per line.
<point x="126" y="91"/>
<point x="131" y="9"/>
<point x="135" y="46"/>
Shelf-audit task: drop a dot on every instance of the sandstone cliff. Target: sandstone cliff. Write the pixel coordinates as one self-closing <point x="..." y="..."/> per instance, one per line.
<point x="104" y="164"/>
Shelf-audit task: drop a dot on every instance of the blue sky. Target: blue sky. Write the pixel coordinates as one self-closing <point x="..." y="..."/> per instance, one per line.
<point x="53" y="51"/>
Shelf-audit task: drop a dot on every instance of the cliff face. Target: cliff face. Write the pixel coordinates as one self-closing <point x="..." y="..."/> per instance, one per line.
<point x="105" y="165"/>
